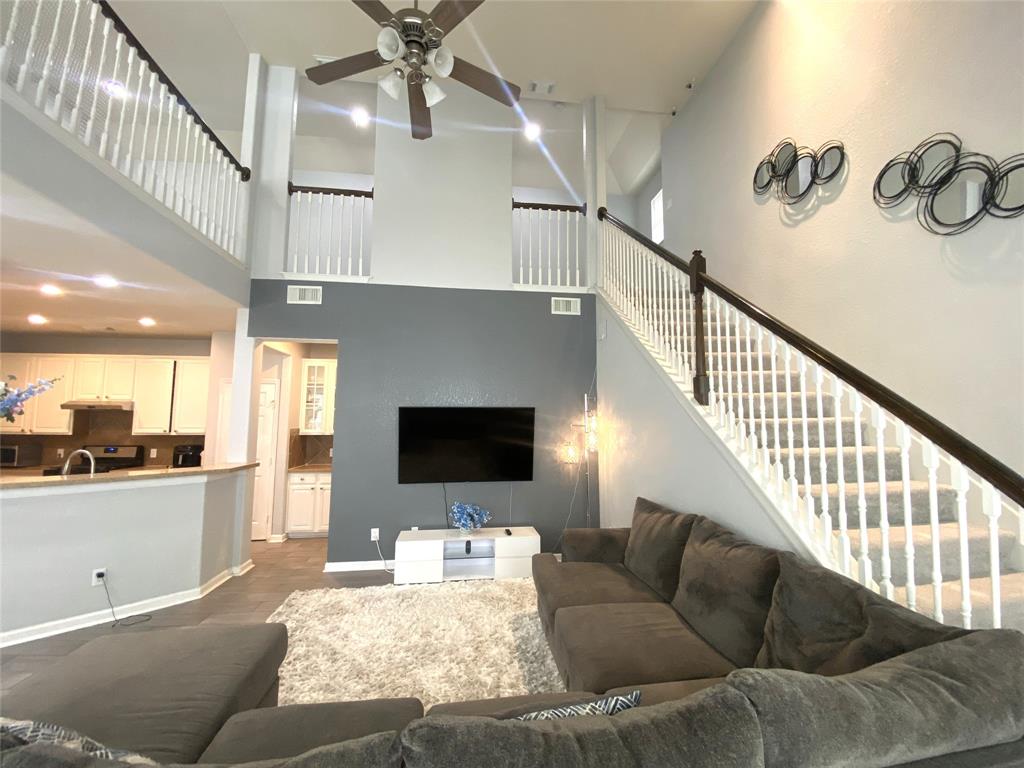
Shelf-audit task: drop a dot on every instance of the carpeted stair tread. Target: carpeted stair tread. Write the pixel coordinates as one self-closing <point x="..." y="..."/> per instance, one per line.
<point x="1011" y="588"/>
<point x="869" y="454"/>
<point x="921" y="515"/>
<point x="828" y="407"/>
<point x="848" y="424"/>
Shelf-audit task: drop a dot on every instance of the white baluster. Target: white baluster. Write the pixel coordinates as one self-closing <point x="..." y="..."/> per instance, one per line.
<point x="962" y="482"/>
<point x="780" y="482"/>
<point x="808" y="494"/>
<point x="528" y="215"/>
<point x="684" y="328"/>
<point x="309" y="231"/>
<point x="171" y="183"/>
<point x="765" y="460"/>
<point x="166" y="106"/>
<point x="741" y="426"/>
<point x="72" y="124"/>
<point x="724" y="404"/>
<point x="826" y="516"/>
<point x="791" y="458"/>
<point x="845" y="550"/>
<point x="32" y="34"/>
<point x="883" y="502"/>
<point x="236" y="190"/>
<point x="727" y="360"/>
<point x="105" y="133"/>
<point x="709" y="352"/>
<point x="140" y="170"/>
<point x="579" y="220"/>
<point x="992" y="506"/>
<point x="862" y="504"/>
<point x="5" y="50"/>
<point x="218" y="201"/>
<point x="903" y="436"/>
<point x="751" y="414"/>
<point x="91" y="122"/>
<point x="351" y="204"/>
<point x="58" y="102"/>
<point x="115" y="156"/>
<point x="44" y="78"/>
<point x="931" y="462"/>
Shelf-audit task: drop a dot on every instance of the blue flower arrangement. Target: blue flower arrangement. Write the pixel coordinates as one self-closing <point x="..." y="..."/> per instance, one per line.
<point x="467" y="517"/>
<point x="12" y="399"/>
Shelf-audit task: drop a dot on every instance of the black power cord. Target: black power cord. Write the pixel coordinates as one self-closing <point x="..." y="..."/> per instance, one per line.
<point x="444" y="489"/>
<point x="128" y="621"/>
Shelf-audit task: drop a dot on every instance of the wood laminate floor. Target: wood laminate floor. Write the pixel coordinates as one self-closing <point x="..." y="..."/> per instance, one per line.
<point x="279" y="570"/>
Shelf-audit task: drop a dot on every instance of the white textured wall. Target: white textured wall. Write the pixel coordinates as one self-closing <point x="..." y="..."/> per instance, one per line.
<point x="938" y="319"/>
<point x="442" y="207"/>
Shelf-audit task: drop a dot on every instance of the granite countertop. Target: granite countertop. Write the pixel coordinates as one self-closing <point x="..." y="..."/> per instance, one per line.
<point x="20" y="478"/>
<point x="311" y="468"/>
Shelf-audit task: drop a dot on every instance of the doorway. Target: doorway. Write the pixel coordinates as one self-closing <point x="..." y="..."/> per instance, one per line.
<point x="266" y="455"/>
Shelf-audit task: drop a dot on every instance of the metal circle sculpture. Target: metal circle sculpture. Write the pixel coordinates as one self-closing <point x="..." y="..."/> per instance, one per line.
<point x="795" y="170"/>
<point x="955" y="189"/>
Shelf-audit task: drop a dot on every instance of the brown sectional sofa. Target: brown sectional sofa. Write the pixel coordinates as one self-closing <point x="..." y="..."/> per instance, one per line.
<point x="746" y="657"/>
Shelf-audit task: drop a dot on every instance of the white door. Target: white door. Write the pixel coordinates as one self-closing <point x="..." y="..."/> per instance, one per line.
<point x="191" y="391"/>
<point x="119" y="378"/>
<point x="20" y="367"/>
<point x="48" y="418"/>
<point x="154" y="385"/>
<point x="302" y="508"/>
<point x="89" y="373"/>
<point x="266" y="453"/>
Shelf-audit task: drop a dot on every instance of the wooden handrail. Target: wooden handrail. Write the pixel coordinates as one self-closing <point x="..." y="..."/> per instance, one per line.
<point x="293" y="188"/>
<point x="145" y="55"/>
<point x="604" y="214"/>
<point x="550" y="207"/>
<point x="1002" y="477"/>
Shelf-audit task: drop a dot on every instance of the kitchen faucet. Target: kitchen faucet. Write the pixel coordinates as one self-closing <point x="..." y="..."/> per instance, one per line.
<point x="92" y="462"/>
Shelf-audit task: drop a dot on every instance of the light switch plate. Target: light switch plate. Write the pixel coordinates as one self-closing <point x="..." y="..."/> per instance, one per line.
<point x="60" y="453"/>
<point x="152" y="453"/>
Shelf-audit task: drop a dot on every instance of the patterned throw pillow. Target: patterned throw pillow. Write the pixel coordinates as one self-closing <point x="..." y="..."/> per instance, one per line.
<point x="609" y="705"/>
<point x="24" y="732"/>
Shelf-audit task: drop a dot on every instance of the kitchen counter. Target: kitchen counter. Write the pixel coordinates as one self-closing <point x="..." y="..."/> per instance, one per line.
<point x="311" y="468"/>
<point x="31" y="477"/>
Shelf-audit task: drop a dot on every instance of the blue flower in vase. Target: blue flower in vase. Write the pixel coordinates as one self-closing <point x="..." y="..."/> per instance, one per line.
<point x="467" y="517"/>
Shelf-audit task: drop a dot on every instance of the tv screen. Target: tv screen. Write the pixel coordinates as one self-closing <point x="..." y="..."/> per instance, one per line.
<point x="461" y="445"/>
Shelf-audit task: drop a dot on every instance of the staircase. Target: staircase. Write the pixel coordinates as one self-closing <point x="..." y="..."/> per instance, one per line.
<point x="876" y="488"/>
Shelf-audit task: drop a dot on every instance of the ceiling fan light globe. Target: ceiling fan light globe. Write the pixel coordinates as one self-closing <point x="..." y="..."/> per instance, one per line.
<point x="391" y="84"/>
<point x="390" y="45"/>
<point x="432" y="93"/>
<point x="442" y="61"/>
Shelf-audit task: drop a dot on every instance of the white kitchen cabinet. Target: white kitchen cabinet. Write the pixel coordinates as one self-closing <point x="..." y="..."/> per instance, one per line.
<point x="103" y="378"/>
<point x="44" y="411"/>
<point x="309" y="502"/>
<point x="153" y="393"/>
<point x="191" y="388"/>
<point x="119" y="378"/>
<point x="319" y="378"/>
<point x="88" y="381"/>
<point x="19" y="366"/>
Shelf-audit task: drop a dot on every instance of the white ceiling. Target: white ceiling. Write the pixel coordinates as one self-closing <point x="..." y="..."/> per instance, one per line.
<point x="638" y="54"/>
<point x="42" y="242"/>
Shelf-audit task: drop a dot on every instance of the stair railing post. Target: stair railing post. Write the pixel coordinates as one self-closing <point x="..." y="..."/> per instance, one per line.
<point x="701" y="386"/>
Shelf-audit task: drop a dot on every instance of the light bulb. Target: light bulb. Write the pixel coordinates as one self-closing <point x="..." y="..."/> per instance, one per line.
<point x="49" y="289"/>
<point x="442" y="61"/>
<point x="360" y="117"/>
<point x="570" y="453"/>
<point x="531" y="131"/>
<point x="391" y="83"/>
<point x="432" y="93"/>
<point x="37" y="320"/>
<point x="147" y="322"/>
<point x="105" y="281"/>
<point x="389" y="44"/>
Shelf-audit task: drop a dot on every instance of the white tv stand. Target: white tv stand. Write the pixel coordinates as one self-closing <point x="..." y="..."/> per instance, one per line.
<point x="423" y="557"/>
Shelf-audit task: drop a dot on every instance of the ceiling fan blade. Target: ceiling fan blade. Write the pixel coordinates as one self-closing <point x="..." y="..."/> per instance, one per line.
<point x="485" y="82"/>
<point x="339" y="68"/>
<point x="419" y="113"/>
<point x="448" y="13"/>
<point x="375" y="9"/>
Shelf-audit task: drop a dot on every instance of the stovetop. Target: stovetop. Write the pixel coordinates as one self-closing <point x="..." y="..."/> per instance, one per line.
<point x="108" y="458"/>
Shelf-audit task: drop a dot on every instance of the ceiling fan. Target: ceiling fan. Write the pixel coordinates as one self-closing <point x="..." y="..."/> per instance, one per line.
<point x="410" y="40"/>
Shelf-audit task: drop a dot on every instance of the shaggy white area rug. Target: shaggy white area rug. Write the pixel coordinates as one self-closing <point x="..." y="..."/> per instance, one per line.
<point x="437" y="642"/>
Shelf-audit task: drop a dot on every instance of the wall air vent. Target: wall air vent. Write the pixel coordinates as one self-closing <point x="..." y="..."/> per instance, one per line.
<point x="564" y="305"/>
<point x="305" y="294"/>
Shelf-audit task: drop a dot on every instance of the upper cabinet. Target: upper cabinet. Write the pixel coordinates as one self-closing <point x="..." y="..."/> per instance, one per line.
<point x="21" y="368"/>
<point x="48" y="417"/>
<point x="319" y="377"/>
<point x="154" y="387"/>
<point x="191" y="387"/>
<point x="104" y="378"/>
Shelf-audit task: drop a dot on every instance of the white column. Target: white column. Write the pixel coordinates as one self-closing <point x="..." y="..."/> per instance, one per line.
<point x="244" y="394"/>
<point x="268" y="130"/>
<point x="594" y="165"/>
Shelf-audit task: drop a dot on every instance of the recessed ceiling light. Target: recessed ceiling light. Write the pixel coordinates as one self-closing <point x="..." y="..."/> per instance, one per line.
<point x="115" y="89"/>
<point x="105" y="281"/>
<point x="149" y="322"/>
<point x="37" y="320"/>
<point x="531" y="131"/>
<point x="360" y="117"/>
<point x="49" y="289"/>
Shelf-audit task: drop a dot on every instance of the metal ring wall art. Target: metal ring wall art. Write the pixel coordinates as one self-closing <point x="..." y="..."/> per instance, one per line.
<point x="795" y="170"/>
<point x="954" y="189"/>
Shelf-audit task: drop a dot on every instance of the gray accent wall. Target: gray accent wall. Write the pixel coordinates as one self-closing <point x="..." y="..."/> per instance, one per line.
<point x="415" y="346"/>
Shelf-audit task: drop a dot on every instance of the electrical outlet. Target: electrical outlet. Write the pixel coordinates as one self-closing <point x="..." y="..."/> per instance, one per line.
<point x="415" y="527"/>
<point x="375" y="534"/>
<point x="152" y="453"/>
<point x="330" y="453"/>
<point x="98" y="575"/>
<point x="60" y="453"/>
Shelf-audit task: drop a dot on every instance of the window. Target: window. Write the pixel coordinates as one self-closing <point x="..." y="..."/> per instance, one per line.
<point x="657" y="218"/>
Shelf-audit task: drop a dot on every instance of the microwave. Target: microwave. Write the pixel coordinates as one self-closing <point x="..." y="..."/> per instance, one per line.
<point x="27" y="455"/>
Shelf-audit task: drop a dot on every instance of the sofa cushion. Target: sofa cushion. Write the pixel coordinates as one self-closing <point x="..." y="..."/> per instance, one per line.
<point x="1009" y="755"/>
<point x="961" y="694"/>
<point x="725" y="590"/>
<point x="828" y="624"/>
<point x="597" y="647"/>
<point x="655" y="546"/>
<point x="162" y="693"/>
<point x="594" y="545"/>
<point x="716" y="728"/>
<point x="512" y="706"/>
<point x="657" y="693"/>
<point x="560" y="585"/>
<point x="261" y="734"/>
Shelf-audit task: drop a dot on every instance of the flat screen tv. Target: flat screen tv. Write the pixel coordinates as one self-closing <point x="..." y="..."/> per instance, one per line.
<point x="462" y="445"/>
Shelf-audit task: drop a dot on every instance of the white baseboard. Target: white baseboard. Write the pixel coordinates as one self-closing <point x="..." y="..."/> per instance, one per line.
<point x="241" y="570"/>
<point x="358" y="565"/>
<point x="277" y="538"/>
<point x="91" y="619"/>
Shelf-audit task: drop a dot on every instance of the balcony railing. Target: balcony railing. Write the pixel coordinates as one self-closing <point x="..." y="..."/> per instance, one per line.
<point x="78" y="63"/>
<point x="329" y="232"/>
<point x="549" y="245"/>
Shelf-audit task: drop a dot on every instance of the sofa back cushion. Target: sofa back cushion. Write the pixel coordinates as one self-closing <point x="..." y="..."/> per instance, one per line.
<point x="725" y="590"/>
<point x="714" y="728"/>
<point x="655" y="546"/>
<point x="828" y="624"/>
<point x="949" y="697"/>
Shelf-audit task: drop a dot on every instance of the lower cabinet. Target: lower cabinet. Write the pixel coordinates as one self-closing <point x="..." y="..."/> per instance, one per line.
<point x="309" y="503"/>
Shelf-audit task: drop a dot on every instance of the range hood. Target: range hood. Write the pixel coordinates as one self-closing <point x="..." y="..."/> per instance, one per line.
<point x="98" y="405"/>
